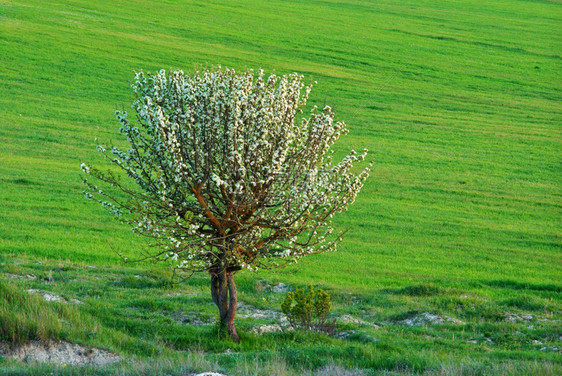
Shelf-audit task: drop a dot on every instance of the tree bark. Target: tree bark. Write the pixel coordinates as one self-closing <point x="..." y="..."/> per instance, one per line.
<point x="223" y="291"/>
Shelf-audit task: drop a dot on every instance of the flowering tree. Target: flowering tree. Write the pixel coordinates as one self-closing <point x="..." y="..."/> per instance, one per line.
<point x="227" y="174"/>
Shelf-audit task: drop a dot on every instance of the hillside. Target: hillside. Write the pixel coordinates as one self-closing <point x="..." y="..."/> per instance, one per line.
<point x="458" y="102"/>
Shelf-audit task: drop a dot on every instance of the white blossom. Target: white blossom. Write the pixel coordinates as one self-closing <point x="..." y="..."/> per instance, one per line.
<point x="228" y="170"/>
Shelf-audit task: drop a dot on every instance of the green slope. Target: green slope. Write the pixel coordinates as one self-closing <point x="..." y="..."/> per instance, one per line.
<point x="459" y="104"/>
<point x="458" y="101"/>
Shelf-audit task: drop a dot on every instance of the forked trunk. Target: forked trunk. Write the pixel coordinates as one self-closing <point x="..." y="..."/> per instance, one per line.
<point x="223" y="291"/>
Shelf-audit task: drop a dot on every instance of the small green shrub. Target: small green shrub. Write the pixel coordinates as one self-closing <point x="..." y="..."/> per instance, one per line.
<point x="308" y="309"/>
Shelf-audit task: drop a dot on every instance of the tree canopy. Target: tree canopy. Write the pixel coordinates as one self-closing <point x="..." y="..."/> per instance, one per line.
<point x="229" y="173"/>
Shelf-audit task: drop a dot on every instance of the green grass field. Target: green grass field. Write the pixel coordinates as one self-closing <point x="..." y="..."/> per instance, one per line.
<point x="459" y="103"/>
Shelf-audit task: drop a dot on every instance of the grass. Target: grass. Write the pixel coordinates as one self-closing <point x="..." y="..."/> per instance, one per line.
<point x="27" y="316"/>
<point x="459" y="103"/>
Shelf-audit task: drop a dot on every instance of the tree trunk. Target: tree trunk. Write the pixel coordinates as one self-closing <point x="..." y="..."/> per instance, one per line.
<point x="223" y="291"/>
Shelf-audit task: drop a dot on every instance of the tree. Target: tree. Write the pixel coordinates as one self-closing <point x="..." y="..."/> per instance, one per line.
<point x="228" y="174"/>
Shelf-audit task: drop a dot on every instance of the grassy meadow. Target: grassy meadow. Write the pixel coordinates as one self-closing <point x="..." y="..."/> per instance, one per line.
<point x="459" y="103"/>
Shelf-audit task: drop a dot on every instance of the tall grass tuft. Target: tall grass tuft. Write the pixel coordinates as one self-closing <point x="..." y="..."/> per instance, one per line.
<point x="25" y="316"/>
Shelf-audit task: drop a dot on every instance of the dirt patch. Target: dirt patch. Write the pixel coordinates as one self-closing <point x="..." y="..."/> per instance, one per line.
<point x="427" y="318"/>
<point x="514" y="317"/>
<point x="348" y="319"/>
<point x="263" y="285"/>
<point x="262" y="329"/>
<point x="549" y="348"/>
<point x="486" y="340"/>
<point x="53" y="297"/>
<point x="281" y="287"/>
<point x="356" y="335"/>
<point x="58" y="352"/>
<point x="249" y="311"/>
